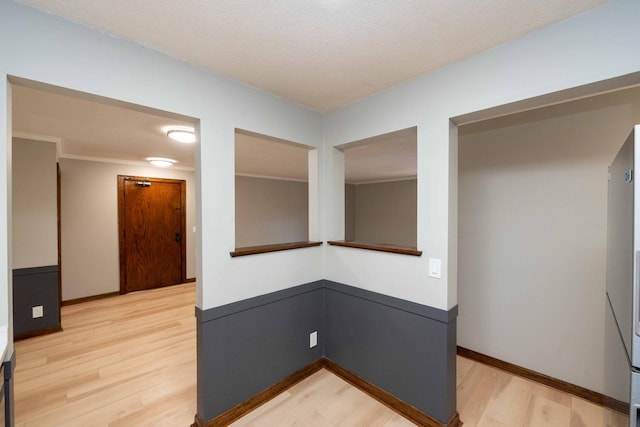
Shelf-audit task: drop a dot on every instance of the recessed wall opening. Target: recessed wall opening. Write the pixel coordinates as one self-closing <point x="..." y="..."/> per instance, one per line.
<point x="381" y="189"/>
<point x="532" y="203"/>
<point x="271" y="191"/>
<point x="91" y="140"/>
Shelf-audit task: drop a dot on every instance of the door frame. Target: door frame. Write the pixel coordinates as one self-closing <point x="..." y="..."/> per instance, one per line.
<point x="121" y="223"/>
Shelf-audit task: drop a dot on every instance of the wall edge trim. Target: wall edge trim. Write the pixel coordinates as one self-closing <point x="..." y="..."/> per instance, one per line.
<point x="35" y="270"/>
<point x="444" y="316"/>
<point x="575" y="390"/>
<point x="214" y="313"/>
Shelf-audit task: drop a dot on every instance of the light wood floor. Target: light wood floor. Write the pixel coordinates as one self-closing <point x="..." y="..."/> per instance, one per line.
<point x="323" y="400"/>
<point x="489" y="397"/>
<point x="130" y="361"/>
<point x="122" y="361"/>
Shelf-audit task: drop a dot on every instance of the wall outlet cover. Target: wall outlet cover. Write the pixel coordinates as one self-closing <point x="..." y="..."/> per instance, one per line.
<point x="37" y="312"/>
<point x="313" y="339"/>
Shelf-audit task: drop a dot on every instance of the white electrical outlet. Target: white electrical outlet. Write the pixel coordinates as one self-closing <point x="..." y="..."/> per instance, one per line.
<point x="313" y="339"/>
<point x="37" y="311"/>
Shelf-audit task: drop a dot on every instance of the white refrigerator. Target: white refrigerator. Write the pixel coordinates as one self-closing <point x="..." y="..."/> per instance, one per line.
<point x="622" y="327"/>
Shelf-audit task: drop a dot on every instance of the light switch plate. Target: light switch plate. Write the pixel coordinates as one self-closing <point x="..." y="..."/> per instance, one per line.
<point x="313" y="339"/>
<point x="435" y="268"/>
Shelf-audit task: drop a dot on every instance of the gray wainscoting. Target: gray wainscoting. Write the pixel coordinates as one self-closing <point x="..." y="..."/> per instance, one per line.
<point x="405" y="348"/>
<point x="247" y="346"/>
<point x="32" y="287"/>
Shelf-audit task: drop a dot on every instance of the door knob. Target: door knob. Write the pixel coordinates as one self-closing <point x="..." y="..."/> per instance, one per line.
<point x="178" y="237"/>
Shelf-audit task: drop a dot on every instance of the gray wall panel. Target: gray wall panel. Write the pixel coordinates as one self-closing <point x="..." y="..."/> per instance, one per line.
<point x="242" y="353"/>
<point x="32" y="287"/>
<point x="409" y="355"/>
<point x="402" y="347"/>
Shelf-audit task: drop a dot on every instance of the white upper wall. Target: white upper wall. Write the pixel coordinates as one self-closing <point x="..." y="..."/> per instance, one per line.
<point x="46" y="48"/>
<point x="35" y="207"/>
<point x="594" y="46"/>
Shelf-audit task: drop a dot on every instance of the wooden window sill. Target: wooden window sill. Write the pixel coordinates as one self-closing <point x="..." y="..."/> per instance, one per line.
<point x="252" y="250"/>
<point x="382" y="248"/>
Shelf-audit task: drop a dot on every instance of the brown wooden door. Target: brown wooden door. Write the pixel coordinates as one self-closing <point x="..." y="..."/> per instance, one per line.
<point x="151" y="217"/>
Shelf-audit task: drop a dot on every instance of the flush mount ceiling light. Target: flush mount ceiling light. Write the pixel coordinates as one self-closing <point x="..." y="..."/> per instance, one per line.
<point x="160" y="161"/>
<point x="182" y="134"/>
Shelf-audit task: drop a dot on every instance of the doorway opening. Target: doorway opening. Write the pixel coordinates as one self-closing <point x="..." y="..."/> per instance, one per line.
<point x="532" y="230"/>
<point x="97" y="139"/>
<point x="93" y="141"/>
<point x="151" y="229"/>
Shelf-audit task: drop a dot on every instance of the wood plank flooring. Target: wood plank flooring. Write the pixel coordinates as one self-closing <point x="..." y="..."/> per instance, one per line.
<point x="489" y="397"/>
<point x="129" y="360"/>
<point x="122" y="361"/>
<point x="323" y="400"/>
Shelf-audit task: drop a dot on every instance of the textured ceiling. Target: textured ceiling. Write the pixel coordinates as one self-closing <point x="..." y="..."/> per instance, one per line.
<point x="319" y="53"/>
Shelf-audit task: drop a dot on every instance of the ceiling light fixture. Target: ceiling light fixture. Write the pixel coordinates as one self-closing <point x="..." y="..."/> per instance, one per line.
<point x="182" y="134"/>
<point x="161" y="162"/>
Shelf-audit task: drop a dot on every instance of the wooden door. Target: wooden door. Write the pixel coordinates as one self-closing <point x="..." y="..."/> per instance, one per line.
<point x="151" y="219"/>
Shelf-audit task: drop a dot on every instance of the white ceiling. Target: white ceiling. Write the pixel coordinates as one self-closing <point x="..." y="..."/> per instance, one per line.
<point x="93" y="128"/>
<point x="319" y="53"/>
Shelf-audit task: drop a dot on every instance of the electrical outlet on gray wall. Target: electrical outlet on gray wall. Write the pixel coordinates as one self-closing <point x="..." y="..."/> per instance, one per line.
<point x="37" y="311"/>
<point x="313" y="339"/>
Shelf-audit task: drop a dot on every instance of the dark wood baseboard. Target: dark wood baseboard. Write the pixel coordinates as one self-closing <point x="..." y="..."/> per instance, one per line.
<point x="592" y="396"/>
<point x="90" y="298"/>
<point x="374" y="391"/>
<point x="261" y="398"/>
<point x="31" y="334"/>
<point x="408" y="411"/>
<point x="190" y="280"/>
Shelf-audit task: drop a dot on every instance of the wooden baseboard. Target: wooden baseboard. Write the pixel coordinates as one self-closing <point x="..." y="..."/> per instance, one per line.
<point x="374" y="391"/>
<point x="261" y="398"/>
<point x="31" y="334"/>
<point x="190" y="280"/>
<point x="592" y="396"/>
<point x="90" y="298"/>
<point x="406" y="410"/>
